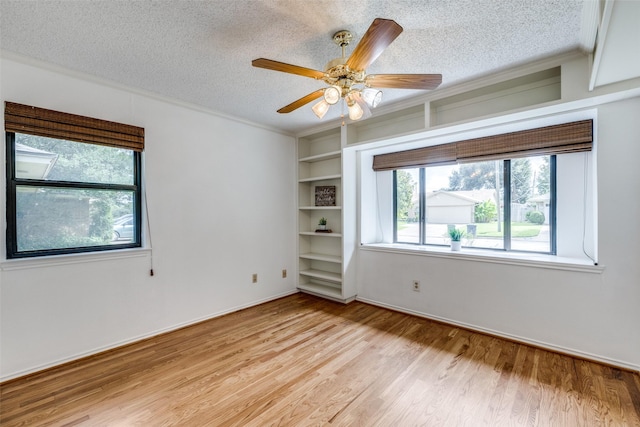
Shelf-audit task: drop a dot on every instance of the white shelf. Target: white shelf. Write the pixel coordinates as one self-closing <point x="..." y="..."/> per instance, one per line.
<point x="322" y="257"/>
<point x="320" y="178"/>
<point x="323" y="275"/>
<point x="321" y="157"/>
<point x="322" y="290"/>
<point x="313" y="233"/>
<point x="319" y="208"/>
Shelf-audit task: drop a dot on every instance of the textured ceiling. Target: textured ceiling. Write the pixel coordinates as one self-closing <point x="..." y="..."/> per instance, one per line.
<point x="200" y="52"/>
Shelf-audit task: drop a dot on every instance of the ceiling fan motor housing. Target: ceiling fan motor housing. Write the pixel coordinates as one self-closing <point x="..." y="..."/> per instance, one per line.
<point x="339" y="74"/>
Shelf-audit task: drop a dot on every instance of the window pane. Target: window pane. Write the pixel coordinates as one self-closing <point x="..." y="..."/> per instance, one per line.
<point x="530" y="197"/>
<point x="59" y="160"/>
<point x="438" y="216"/>
<point x="407" y="214"/>
<point x="54" y="218"/>
<point x="466" y="196"/>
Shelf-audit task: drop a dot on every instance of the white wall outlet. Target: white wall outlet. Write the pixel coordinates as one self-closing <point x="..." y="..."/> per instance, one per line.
<point x="416" y="286"/>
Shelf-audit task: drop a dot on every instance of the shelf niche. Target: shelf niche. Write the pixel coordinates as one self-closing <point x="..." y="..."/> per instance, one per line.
<point x="320" y="254"/>
<point x="524" y="91"/>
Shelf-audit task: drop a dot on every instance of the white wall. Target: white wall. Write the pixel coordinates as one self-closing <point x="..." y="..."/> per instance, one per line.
<point x="589" y="314"/>
<point x="221" y="207"/>
<point x="576" y="182"/>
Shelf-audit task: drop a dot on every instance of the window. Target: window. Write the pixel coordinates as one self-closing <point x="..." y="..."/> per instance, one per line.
<point x="500" y="190"/>
<point x="68" y="196"/>
<point x="471" y="196"/>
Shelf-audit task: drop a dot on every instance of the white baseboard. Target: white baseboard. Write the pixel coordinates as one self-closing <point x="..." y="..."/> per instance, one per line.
<point x="112" y="346"/>
<point x="535" y="343"/>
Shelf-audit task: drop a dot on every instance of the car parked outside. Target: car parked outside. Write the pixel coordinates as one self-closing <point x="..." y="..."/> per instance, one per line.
<point x="123" y="227"/>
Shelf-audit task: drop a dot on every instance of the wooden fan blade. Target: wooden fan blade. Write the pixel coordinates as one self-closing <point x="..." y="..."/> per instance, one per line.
<point x="379" y="35"/>
<point x="287" y="68"/>
<point x="404" y="81"/>
<point x="302" y="101"/>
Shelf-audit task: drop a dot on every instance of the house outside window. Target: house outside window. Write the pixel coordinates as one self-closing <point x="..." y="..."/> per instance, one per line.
<point x="429" y="201"/>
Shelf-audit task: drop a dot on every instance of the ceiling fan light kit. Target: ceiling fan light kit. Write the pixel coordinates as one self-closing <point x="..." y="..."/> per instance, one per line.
<point x="321" y="108"/>
<point x="346" y="77"/>
<point x="372" y="96"/>
<point x="332" y="94"/>
<point x="355" y="111"/>
<point x="358" y="108"/>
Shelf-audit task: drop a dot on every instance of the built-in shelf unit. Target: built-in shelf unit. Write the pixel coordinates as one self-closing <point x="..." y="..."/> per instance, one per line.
<point x="320" y="254"/>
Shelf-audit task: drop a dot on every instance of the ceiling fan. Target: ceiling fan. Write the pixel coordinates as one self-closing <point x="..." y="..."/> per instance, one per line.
<point x="346" y="77"/>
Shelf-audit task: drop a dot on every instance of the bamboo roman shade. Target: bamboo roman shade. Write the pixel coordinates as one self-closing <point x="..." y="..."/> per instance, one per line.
<point x="428" y="156"/>
<point x="557" y="139"/>
<point x="54" y="124"/>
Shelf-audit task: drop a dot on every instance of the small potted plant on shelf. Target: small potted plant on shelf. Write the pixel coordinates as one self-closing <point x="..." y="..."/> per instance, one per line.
<point x="322" y="224"/>
<point x="456" y="235"/>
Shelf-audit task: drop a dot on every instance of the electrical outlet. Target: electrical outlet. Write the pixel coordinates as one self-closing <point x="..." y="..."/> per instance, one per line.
<point x="416" y="286"/>
<point x="284" y="273"/>
<point x="254" y="278"/>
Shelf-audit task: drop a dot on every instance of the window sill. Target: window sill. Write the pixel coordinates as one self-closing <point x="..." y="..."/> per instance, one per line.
<point x="79" y="258"/>
<point x="478" y="255"/>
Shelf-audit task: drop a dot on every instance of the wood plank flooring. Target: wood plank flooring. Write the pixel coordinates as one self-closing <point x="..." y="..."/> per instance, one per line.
<point x="301" y="361"/>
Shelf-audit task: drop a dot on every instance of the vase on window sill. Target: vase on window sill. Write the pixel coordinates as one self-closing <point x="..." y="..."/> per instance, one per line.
<point x="456" y="245"/>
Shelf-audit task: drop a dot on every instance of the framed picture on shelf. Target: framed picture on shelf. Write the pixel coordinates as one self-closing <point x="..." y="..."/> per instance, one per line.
<point x="325" y="195"/>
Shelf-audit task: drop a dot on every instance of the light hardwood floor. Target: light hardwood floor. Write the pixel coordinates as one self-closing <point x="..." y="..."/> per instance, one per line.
<point x="301" y="360"/>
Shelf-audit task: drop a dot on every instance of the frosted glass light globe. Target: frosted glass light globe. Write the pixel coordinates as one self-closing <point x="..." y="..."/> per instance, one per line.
<point x="332" y="94"/>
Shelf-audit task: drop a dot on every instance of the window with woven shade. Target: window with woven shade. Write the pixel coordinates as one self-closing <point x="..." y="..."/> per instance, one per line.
<point x="73" y="183"/>
<point x="499" y="191"/>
